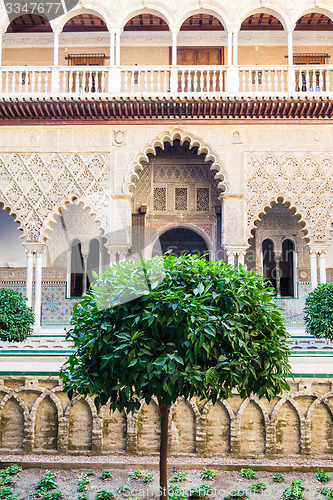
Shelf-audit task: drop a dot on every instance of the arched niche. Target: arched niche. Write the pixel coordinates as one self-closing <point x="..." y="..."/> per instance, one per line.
<point x="114" y="429"/>
<point x="253" y="431"/>
<point x="321" y="431"/>
<point x="183" y="429"/>
<point x="46" y="425"/>
<point x="80" y="425"/>
<point x="148" y="428"/>
<point x="12" y="254"/>
<point x="11" y="426"/>
<point x="288" y="431"/>
<point x="217" y="430"/>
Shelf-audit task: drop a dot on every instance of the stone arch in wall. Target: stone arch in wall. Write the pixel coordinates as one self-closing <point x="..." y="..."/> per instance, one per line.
<point x="287" y="422"/>
<point x="12" y="425"/>
<point x="218" y="429"/>
<point x="46" y="425"/>
<point x="183" y="423"/>
<point x="188" y="239"/>
<point x="321" y="429"/>
<point x="80" y="425"/>
<point x="148" y="427"/>
<point x="114" y="430"/>
<point x="252" y="428"/>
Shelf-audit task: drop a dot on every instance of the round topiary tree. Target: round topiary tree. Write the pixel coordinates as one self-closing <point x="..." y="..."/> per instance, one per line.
<point x="173" y="327"/>
<point x="318" y="311"/>
<point x="16" y="318"/>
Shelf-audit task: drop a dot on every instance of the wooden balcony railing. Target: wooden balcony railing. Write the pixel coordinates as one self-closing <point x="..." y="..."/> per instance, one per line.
<point x="162" y="81"/>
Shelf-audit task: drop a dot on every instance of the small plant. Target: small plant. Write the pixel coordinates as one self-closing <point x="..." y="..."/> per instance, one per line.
<point x="5" y="492"/>
<point x="83" y="496"/>
<point x="104" y="495"/>
<point x="82" y="484"/>
<point x="200" y="491"/>
<point x="297" y="482"/>
<point x="176" y="496"/>
<point x="106" y="474"/>
<point x="148" y="478"/>
<point x="12" y="470"/>
<point x="322" y="476"/>
<point x="207" y="474"/>
<point x="278" y="478"/>
<point x="249" y="474"/>
<point x="179" y="477"/>
<point x="324" y="490"/>
<point x="237" y="494"/>
<point x="14" y="496"/>
<point x="258" y="487"/>
<point x="293" y="493"/>
<point x="135" y="474"/>
<point x="123" y="489"/>
<point x="44" y="493"/>
<point x="47" y="482"/>
<point x="5" y="480"/>
<point x="90" y="472"/>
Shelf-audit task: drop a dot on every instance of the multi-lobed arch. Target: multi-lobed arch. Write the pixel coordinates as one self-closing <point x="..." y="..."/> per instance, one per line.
<point x="136" y="166"/>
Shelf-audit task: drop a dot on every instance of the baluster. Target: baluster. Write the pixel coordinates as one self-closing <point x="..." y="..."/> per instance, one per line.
<point x="46" y="82"/>
<point x="214" y="81"/>
<point x="327" y="81"/>
<point x="20" y="82"/>
<point x="158" y="81"/>
<point x="165" y="81"/>
<point x="13" y="81"/>
<point x="64" y="81"/>
<point x="1" y="76"/>
<point x="125" y="81"/>
<point x="183" y="81"/>
<point x="70" y="81"/>
<point x="276" y="81"/>
<point x="307" y="79"/>
<point x="90" y="81"/>
<point x="300" y="81"/>
<point x="321" y="80"/>
<point x="133" y="80"/>
<point x="202" y="82"/>
<point x="103" y="82"/>
<point x="152" y="80"/>
<point x="39" y="81"/>
<point x="139" y="81"/>
<point x="195" y="81"/>
<point x="256" y="80"/>
<point x="26" y="80"/>
<point x="97" y="82"/>
<point x="282" y="81"/>
<point x="7" y="82"/>
<point x="250" y="81"/>
<point x="243" y="81"/>
<point x="145" y="81"/>
<point x="269" y="80"/>
<point x="263" y="81"/>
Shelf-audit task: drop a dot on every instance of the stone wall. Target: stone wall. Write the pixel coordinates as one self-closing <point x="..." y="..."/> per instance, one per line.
<point x="35" y="415"/>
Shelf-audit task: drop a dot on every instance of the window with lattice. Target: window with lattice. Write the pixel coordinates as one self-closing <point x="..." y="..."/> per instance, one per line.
<point x="202" y="199"/>
<point x="180" y="198"/>
<point x="159" y="198"/>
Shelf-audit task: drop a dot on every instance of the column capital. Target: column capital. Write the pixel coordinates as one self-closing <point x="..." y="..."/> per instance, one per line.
<point x="318" y="248"/>
<point x="290" y="28"/>
<point x="34" y="248"/>
<point x="234" y="28"/>
<point x="236" y="249"/>
<point x="117" y="249"/>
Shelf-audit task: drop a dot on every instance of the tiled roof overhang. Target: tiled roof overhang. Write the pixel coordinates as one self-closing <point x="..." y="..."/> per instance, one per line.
<point x="134" y="110"/>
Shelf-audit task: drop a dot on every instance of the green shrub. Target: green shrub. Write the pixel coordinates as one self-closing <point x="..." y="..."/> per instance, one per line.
<point x="16" y="318"/>
<point x="45" y="494"/>
<point x="237" y="494"/>
<point x="297" y="482"/>
<point x="207" y="474"/>
<point x="135" y="474"/>
<point x="5" y="480"/>
<point x="90" y="472"/>
<point x="5" y="492"/>
<point x="249" y="474"/>
<point x="106" y="474"/>
<point x="104" y="495"/>
<point x="82" y="484"/>
<point x="83" y="496"/>
<point x="179" y="477"/>
<point x="322" y="476"/>
<point x="200" y="491"/>
<point x="47" y="482"/>
<point x="258" y="487"/>
<point x="13" y="496"/>
<point x="278" y="478"/>
<point x="12" y="470"/>
<point x="318" y="311"/>
<point x="293" y="493"/>
<point x="124" y="489"/>
<point x="148" y="478"/>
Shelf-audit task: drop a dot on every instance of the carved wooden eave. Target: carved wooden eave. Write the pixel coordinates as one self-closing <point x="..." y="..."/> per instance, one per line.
<point x="136" y="110"/>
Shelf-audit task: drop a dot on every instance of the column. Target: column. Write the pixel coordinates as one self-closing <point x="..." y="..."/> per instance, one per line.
<point x="290" y="47"/>
<point x="231" y="258"/>
<point x="38" y="285"/>
<point x="229" y="48"/>
<point x="56" y="48"/>
<point x="123" y="254"/>
<point x="1" y="37"/>
<point x="278" y="274"/>
<point x="235" y="48"/>
<point x="85" y="272"/>
<point x="313" y="267"/>
<point x="295" y="260"/>
<point x="29" y="278"/>
<point x="241" y="257"/>
<point x="118" y="47"/>
<point x="69" y="272"/>
<point x="174" y="69"/>
<point x="174" y="48"/>
<point x="112" y="47"/>
<point x="291" y="69"/>
<point x="322" y="266"/>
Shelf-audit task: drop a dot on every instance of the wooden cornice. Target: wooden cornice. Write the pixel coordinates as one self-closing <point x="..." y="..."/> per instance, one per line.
<point x="86" y="111"/>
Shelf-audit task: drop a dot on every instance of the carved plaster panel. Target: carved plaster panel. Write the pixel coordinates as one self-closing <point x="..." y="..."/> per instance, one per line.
<point x="34" y="186"/>
<point x="305" y="181"/>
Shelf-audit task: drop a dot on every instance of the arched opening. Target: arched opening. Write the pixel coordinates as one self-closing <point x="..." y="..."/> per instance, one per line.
<point x="278" y="252"/>
<point x="261" y="22"/>
<point x="314" y="22"/>
<point x="269" y="264"/>
<point x="85" y="23"/>
<point x="181" y="241"/>
<point x="29" y="23"/>
<point x="202" y="22"/>
<point x="12" y="254"/>
<point x="93" y="262"/>
<point x="146" y="22"/>
<point x="77" y="269"/>
<point x="176" y="189"/>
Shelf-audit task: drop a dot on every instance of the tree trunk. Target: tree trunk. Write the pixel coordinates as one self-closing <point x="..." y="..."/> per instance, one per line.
<point x="164" y="410"/>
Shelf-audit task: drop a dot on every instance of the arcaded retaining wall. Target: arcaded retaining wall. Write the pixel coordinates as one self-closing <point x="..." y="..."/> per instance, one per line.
<point x="35" y="415"/>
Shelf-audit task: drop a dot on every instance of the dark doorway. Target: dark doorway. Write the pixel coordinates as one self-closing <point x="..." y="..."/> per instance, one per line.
<point x="181" y="241"/>
<point x="287" y="269"/>
<point x="269" y="265"/>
